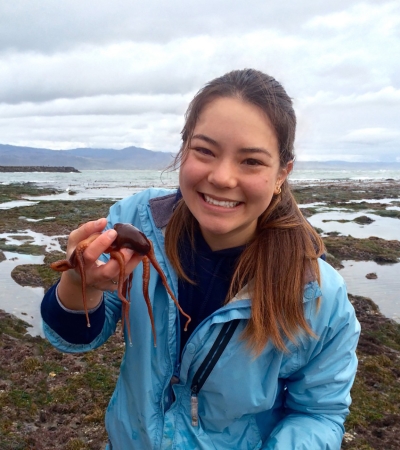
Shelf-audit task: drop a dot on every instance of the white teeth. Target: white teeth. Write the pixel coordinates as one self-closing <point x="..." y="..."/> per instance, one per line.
<point x="224" y="204"/>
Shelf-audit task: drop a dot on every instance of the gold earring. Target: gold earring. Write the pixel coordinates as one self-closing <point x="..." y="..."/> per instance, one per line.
<point x="279" y="190"/>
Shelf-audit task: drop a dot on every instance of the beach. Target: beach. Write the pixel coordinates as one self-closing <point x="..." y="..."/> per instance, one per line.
<point x="332" y="205"/>
<point x="359" y="220"/>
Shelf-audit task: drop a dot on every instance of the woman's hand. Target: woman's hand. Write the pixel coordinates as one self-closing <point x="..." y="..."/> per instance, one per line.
<point x="89" y="243"/>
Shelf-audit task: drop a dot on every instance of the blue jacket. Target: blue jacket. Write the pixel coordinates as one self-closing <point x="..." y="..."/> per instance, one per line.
<point x="281" y="401"/>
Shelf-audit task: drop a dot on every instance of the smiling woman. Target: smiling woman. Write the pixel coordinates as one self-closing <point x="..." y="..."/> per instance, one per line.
<point x="268" y="359"/>
<point x="230" y="171"/>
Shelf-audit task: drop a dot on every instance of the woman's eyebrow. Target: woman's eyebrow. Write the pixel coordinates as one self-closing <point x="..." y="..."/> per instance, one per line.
<point x="244" y="150"/>
<point x="205" y="138"/>
<point x="248" y="150"/>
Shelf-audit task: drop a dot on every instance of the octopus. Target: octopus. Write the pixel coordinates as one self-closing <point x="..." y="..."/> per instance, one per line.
<point x="132" y="238"/>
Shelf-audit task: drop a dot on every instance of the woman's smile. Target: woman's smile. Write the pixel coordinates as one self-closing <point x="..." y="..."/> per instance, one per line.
<point x="229" y="204"/>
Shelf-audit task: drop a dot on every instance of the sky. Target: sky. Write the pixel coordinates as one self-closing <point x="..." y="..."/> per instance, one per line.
<point x="114" y="74"/>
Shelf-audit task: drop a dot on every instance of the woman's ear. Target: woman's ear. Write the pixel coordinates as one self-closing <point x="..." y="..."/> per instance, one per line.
<point x="284" y="172"/>
<point x="289" y="167"/>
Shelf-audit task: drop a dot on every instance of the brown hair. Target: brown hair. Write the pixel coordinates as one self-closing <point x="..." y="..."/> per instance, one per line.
<point x="283" y="254"/>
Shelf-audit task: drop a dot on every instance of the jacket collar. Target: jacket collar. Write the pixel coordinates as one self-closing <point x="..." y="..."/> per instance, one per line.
<point x="162" y="208"/>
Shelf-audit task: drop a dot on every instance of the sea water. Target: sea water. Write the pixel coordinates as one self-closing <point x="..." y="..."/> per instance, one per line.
<point x="145" y="178"/>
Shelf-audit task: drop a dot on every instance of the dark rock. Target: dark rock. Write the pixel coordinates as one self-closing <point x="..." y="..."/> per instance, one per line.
<point x="38" y="169"/>
<point x="371" y="276"/>
<point x="363" y="220"/>
<point x="42" y="416"/>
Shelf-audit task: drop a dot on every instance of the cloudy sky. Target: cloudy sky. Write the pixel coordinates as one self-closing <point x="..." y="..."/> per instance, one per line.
<point x="111" y="74"/>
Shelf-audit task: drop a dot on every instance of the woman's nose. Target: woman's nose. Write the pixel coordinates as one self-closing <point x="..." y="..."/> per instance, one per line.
<point x="223" y="175"/>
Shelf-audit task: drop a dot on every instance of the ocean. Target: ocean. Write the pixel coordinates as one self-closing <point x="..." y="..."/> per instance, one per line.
<point x="121" y="183"/>
<point x="139" y="179"/>
<point x="115" y="184"/>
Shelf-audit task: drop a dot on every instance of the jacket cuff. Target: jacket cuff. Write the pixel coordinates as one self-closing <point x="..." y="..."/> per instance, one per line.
<point x="71" y="325"/>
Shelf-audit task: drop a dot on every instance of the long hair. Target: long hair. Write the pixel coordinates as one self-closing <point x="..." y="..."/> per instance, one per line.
<point x="283" y="254"/>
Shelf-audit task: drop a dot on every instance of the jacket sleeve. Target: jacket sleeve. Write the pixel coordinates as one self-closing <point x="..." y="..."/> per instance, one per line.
<point x="68" y="324"/>
<point x="318" y="393"/>
<point x="67" y="330"/>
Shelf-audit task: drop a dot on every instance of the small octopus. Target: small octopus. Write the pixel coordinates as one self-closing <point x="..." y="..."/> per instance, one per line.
<point x="129" y="237"/>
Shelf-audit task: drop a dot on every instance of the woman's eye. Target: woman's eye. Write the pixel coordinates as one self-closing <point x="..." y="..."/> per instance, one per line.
<point x="203" y="151"/>
<point x="253" y="162"/>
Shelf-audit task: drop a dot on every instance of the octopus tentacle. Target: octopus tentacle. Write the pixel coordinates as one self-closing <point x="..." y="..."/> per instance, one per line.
<point x="81" y="265"/>
<point x="122" y="289"/>
<point x="152" y="257"/>
<point x="127" y="237"/>
<point x="146" y="278"/>
<point x="76" y="260"/>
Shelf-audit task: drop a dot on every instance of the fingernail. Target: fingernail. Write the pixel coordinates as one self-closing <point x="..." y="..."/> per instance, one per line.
<point x="98" y="222"/>
<point x="111" y="234"/>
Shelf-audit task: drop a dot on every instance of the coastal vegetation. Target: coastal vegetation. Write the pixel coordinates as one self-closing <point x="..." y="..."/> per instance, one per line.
<point x="54" y="400"/>
<point x="17" y="191"/>
<point x="372" y="248"/>
<point x="345" y="193"/>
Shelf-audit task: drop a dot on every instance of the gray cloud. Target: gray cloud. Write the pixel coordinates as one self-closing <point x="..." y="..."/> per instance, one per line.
<point x="114" y="74"/>
<point x="99" y="105"/>
<point x="154" y="131"/>
<point x="48" y="26"/>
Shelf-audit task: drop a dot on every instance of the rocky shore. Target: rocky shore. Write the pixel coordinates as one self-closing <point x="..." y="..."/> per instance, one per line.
<point x="38" y="169"/>
<point x="51" y="400"/>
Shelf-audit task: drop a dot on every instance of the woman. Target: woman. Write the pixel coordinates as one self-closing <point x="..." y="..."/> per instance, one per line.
<point x="237" y="252"/>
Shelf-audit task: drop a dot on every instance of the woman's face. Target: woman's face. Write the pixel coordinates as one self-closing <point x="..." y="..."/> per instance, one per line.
<point x="231" y="171"/>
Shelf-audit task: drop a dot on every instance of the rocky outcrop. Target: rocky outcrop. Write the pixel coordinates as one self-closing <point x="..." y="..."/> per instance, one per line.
<point x="37" y="169"/>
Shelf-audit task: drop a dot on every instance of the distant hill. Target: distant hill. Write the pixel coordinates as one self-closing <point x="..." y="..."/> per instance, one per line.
<point x="85" y="158"/>
<point x="136" y="158"/>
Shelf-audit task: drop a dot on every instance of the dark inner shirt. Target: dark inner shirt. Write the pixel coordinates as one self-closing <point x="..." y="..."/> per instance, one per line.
<point x="212" y="272"/>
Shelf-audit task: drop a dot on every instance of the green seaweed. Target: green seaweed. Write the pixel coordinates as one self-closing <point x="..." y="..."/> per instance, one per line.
<point x="25" y="248"/>
<point x="373" y="248"/>
<point x="17" y="191"/>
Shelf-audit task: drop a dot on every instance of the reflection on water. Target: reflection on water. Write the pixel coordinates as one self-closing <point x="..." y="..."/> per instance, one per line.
<point x="31" y="237"/>
<point x="383" y="227"/>
<point x="22" y="301"/>
<point x="384" y="201"/>
<point x="16" y="204"/>
<point x="116" y="193"/>
<point x="93" y="184"/>
<point x="384" y="291"/>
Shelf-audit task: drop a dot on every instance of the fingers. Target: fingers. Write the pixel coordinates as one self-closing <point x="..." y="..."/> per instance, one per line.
<point x="99" y="245"/>
<point x="90" y="243"/>
<point x="85" y="230"/>
<point x="111" y="270"/>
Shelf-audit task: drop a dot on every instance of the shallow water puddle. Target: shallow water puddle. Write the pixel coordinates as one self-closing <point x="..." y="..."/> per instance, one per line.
<point x="385" y="201"/>
<point x="384" y="290"/>
<point x="383" y="227"/>
<point x="27" y="219"/>
<point x="22" y="301"/>
<point x="31" y="237"/>
<point x="91" y="194"/>
<point x="17" y="204"/>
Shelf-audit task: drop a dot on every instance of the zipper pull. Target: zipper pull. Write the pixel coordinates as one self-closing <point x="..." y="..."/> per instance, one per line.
<point x="194" y="407"/>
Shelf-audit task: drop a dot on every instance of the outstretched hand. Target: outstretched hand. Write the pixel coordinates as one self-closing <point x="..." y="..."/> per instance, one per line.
<point x="88" y="242"/>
